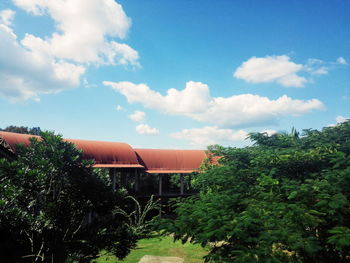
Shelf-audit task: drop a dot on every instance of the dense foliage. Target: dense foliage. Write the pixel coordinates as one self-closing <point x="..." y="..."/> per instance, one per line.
<point x="284" y="199"/>
<point x="54" y="207"/>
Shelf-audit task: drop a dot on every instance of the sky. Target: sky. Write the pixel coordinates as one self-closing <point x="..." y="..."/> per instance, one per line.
<point x="179" y="74"/>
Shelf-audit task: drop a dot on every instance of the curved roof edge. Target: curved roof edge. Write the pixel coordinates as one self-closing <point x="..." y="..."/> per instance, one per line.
<point x="170" y="161"/>
<point x="118" y="166"/>
<point x="122" y="155"/>
<point x="105" y="154"/>
<point x="171" y="171"/>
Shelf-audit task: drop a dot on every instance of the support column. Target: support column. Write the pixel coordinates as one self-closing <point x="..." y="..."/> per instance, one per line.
<point x="181" y="184"/>
<point x="160" y="184"/>
<point x="113" y="176"/>
<point x="137" y="181"/>
<point x="123" y="177"/>
<point x="126" y="178"/>
<point x="89" y="218"/>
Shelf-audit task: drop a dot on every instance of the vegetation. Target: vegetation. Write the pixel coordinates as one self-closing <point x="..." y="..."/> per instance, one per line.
<point x="139" y="219"/>
<point x="284" y="199"/>
<point x="160" y="246"/>
<point x="54" y="207"/>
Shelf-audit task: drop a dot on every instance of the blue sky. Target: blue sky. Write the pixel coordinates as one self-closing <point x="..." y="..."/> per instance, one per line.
<point x="174" y="74"/>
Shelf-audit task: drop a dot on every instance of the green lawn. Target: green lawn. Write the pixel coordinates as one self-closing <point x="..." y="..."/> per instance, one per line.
<point x="161" y="246"/>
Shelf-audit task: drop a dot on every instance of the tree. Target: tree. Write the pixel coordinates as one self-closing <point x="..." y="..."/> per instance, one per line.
<point x="285" y="199"/>
<point x="54" y="207"/>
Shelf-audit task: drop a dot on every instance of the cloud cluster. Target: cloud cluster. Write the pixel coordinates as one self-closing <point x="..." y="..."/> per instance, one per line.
<point x="138" y="116"/>
<point x="341" y="119"/>
<point x="6" y="16"/>
<point x="25" y="74"/>
<point x="146" y="130"/>
<point x="342" y="60"/>
<point x="35" y="65"/>
<point x="271" y="69"/>
<point x="83" y="27"/>
<point x="209" y="135"/>
<point x="281" y="70"/>
<point x="143" y="129"/>
<point x="338" y="120"/>
<point x="194" y="101"/>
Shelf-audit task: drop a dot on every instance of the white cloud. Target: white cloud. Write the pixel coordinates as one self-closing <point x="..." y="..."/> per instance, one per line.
<point x="146" y="130"/>
<point x="341" y="119"/>
<point x="6" y="16"/>
<point x="84" y="31"/>
<point x="138" y="116"/>
<point x="83" y="27"/>
<point x="209" y="135"/>
<point x="342" y="60"/>
<point x="269" y="132"/>
<point x="86" y="84"/>
<point x="194" y="98"/>
<point x="316" y="66"/>
<point x="122" y="54"/>
<point x="320" y="71"/>
<point x="25" y="74"/>
<point x="271" y="69"/>
<point x="281" y="70"/>
<point x="195" y="102"/>
<point x="118" y="108"/>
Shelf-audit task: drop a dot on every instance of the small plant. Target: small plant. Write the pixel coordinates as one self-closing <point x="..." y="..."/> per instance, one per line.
<point x="138" y="219"/>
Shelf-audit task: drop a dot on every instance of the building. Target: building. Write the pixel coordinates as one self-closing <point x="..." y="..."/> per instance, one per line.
<point x="143" y="172"/>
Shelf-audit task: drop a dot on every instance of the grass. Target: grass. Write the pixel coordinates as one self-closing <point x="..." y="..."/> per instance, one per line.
<point x="160" y="246"/>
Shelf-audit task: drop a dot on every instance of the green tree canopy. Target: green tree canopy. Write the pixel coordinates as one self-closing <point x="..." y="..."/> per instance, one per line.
<point x="284" y="199"/>
<point x="54" y="207"/>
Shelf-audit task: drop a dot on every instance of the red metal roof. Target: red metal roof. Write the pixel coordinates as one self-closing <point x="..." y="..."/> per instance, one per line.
<point x="113" y="154"/>
<point x="105" y="154"/>
<point x="121" y="155"/>
<point x="16" y="138"/>
<point x="5" y="148"/>
<point x="170" y="161"/>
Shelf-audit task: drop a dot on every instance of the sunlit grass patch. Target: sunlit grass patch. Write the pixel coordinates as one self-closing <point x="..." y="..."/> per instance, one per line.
<point x="160" y="246"/>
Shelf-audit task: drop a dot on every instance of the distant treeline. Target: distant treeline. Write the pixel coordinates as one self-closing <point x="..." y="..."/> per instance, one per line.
<point x="23" y="130"/>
